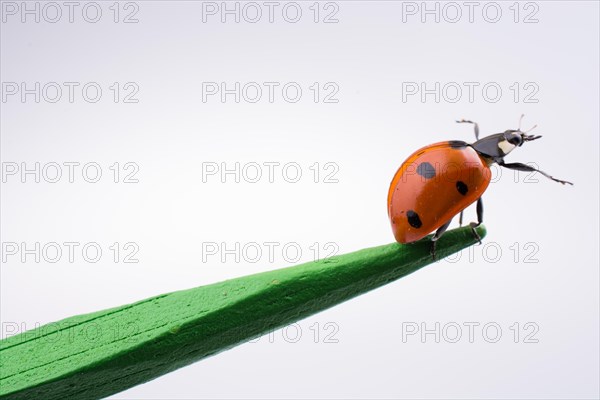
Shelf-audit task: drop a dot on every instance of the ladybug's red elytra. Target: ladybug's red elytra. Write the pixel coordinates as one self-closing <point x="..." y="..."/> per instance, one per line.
<point x="439" y="181"/>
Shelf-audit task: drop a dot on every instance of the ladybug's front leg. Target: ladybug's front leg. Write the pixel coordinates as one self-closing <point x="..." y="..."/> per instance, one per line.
<point x="437" y="235"/>
<point x="476" y="126"/>
<point x="527" y="168"/>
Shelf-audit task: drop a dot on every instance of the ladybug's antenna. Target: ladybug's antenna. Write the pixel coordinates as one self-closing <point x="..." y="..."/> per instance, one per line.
<point x="527" y="138"/>
<point x="520" y="120"/>
<point x="530" y="129"/>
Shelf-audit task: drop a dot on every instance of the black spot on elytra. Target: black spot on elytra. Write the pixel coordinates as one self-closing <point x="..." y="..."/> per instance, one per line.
<point x="413" y="219"/>
<point x="462" y="187"/>
<point x="426" y="170"/>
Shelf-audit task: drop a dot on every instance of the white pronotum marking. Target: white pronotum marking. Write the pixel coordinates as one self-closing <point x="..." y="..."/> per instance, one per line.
<point x="506" y="146"/>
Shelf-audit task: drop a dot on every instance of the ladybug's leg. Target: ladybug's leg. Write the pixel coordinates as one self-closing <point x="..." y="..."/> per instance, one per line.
<point x="479" y="212"/>
<point x="437" y="235"/>
<point x="474" y="123"/>
<point x="474" y="225"/>
<point x="460" y="218"/>
<point x="527" y="168"/>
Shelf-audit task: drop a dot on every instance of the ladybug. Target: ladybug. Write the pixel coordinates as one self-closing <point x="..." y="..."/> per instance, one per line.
<point x="439" y="181"/>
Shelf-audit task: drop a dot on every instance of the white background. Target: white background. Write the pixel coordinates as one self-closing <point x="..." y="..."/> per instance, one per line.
<point x="370" y="55"/>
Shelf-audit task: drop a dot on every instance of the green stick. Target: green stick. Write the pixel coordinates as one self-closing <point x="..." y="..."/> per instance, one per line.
<point x="95" y="355"/>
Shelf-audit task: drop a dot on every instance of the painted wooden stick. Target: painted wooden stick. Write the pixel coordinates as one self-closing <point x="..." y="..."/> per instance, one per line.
<point x="95" y="355"/>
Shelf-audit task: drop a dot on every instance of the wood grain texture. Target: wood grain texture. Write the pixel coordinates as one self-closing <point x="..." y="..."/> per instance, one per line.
<point x="95" y="355"/>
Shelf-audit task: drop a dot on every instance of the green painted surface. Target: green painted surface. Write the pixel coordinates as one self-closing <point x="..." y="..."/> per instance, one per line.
<point x="95" y="355"/>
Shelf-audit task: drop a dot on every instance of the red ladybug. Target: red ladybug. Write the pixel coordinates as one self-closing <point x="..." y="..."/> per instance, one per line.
<point x="439" y="181"/>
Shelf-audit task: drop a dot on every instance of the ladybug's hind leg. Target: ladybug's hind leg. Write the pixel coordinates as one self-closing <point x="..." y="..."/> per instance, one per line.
<point x="437" y="235"/>
<point x="474" y="225"/>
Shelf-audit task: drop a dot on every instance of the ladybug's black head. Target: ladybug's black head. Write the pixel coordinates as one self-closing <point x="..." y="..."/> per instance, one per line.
<point x="514" y="138"/>
<point x="500" y="144"/>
